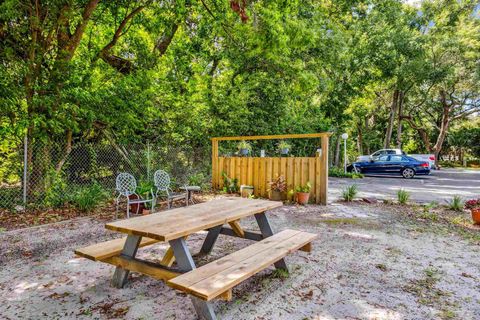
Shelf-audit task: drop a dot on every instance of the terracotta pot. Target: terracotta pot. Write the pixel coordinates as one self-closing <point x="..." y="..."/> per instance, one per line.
<point x="145" y="212"/>
<point x="476" y="215"/>
<point x="302" y="197"/>
<point x="276" y="195"/>
<point x="135" y="206"/>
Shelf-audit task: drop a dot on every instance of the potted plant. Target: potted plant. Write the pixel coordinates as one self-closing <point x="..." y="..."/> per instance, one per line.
<point x="474" y="206"/>
<point x="244" y="147"/>
<point x="303" y="193"/>
<point x="278" y="188"/>
<point x="284" y="147"/>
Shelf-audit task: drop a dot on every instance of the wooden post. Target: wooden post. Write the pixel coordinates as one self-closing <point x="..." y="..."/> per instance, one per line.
<point x="324" y="171"/>
<point x="215" y="169"/>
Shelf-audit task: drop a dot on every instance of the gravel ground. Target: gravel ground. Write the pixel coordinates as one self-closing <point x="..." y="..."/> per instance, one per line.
<point x="369" y="262"/>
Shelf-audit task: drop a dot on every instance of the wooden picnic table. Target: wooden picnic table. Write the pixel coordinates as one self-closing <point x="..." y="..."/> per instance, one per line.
<point x="176" y="225"/>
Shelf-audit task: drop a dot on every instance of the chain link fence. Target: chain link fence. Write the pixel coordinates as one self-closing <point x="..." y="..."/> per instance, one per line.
<point x="53" y="172"/>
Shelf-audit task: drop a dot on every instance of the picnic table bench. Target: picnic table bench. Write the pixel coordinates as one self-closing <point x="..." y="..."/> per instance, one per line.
<point x="214" y="279"/>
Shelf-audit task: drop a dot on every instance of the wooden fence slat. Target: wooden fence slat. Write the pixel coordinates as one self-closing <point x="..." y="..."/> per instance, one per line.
<point x="305" y="175"/>
<point x="256" y="189"/>
<point x="250" y="171"/>
<point x="311" y="176"/>
<point x="269" y="169"/>
<point x="289" y="177"/>
<point x="219" y="177"/>
<point x="318" y="181"/>
<point x="297" y="171"/>
<point x="262" y="178"/>
<point x="243" y="170"/>
<point x="276" y="168"/>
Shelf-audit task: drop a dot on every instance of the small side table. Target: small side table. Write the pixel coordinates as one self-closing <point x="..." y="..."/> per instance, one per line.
<point x="190" y="190"/>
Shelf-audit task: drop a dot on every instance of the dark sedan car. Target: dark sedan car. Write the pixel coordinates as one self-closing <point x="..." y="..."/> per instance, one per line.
<point x="407" y="166"/>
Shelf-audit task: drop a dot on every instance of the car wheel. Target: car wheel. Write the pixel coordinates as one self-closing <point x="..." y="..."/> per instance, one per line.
<point x="408" y="173"/>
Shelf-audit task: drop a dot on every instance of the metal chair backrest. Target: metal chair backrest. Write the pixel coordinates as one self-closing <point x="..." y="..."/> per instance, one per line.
<point x="161" y="179"/>
<point x="126" y="184"/>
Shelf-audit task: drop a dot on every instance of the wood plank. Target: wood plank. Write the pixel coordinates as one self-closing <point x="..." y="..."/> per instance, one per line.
<point x="283" y="167"/>
<point x="250" y="171"/>
<point x="279" y="136"/>
<point x="211" y="280"/>
<point x="304" y="171"/>
<point x="262" y="178"/>
<point x="223" y="263"/>
<point x="324" y="172"/>
<point x="297" y="166"/>
<point x="256" y="176"/>
<point x="231" y="174"/>
<point x="276" y="168"/>
<point x="238" y="172"/>
<point x="243" y="170"/>
<point x="179" y="222"/>
<point x="237" y="228"/>
<point x="215" y="169"/>
<point x="268" y="175"/>
<point x="311" y="176"/>
<point x="289" y="178"/>
<point x="219" y="172"/>
<point x="227" y="295"/>
<point x="103" y="250"/>
<point x="317" y="180"/>
<point x="141" y="267"/>
<point x="169" y="257"/>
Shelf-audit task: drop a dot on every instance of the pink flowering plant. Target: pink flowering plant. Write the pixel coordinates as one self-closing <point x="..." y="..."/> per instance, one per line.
<point x="472" y="204"/>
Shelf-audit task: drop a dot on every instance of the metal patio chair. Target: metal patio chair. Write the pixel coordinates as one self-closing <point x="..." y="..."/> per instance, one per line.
<point x="126" y="186"/>
<point x="161" y="180"/>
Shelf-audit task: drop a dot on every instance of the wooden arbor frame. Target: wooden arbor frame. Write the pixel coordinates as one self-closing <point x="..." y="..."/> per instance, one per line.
<point x="258" y="171"/>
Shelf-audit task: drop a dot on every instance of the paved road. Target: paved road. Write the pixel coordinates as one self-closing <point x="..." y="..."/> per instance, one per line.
<point x="439" y="186"/>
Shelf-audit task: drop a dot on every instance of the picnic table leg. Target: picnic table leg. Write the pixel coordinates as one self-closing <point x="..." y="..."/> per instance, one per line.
<point x="210" y="240"/>
<point x="185" y="263"/>
<point x="267" y="231"/>
<point x="129" y="250"/>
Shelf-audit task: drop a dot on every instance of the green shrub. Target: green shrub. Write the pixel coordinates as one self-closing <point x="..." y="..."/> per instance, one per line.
<point x="403" y="196"/>
<point x="350" y="192"/>
<point x="199" y="179"/>
<point x="339" y="173"/>
<point x="144" y="188"/>
<point x="230" y="185"/>
<point x="456" y="204"/>
<point x="56" y="194"/>
<point x="88" y="197"/>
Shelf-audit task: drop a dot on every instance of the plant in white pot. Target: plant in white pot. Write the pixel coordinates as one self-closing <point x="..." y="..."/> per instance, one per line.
<point x="284" y="147"/>
<point x="244" y="148"/>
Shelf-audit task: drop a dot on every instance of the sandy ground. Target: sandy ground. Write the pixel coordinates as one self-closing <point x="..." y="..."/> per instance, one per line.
<point x="368" y="263"/>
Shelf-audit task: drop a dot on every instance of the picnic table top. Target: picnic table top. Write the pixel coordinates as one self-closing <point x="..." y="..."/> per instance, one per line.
<point x="179" y="222"/>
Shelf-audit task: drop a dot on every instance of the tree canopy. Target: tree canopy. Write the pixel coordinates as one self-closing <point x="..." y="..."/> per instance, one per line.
<point x="388" y="72"/>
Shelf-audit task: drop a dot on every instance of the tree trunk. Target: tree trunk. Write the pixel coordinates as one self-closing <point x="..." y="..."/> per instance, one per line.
<point x="400" y="114"/>
<point x="360" y="138"/>
<point x="391" y="120"/>
<point x="68" y="149"/>
<point x="337" y="152"/>
<point x="443" y="126"/>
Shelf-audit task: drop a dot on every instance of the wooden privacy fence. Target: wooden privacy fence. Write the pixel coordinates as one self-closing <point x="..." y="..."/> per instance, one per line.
<point x="259" y="171"/>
